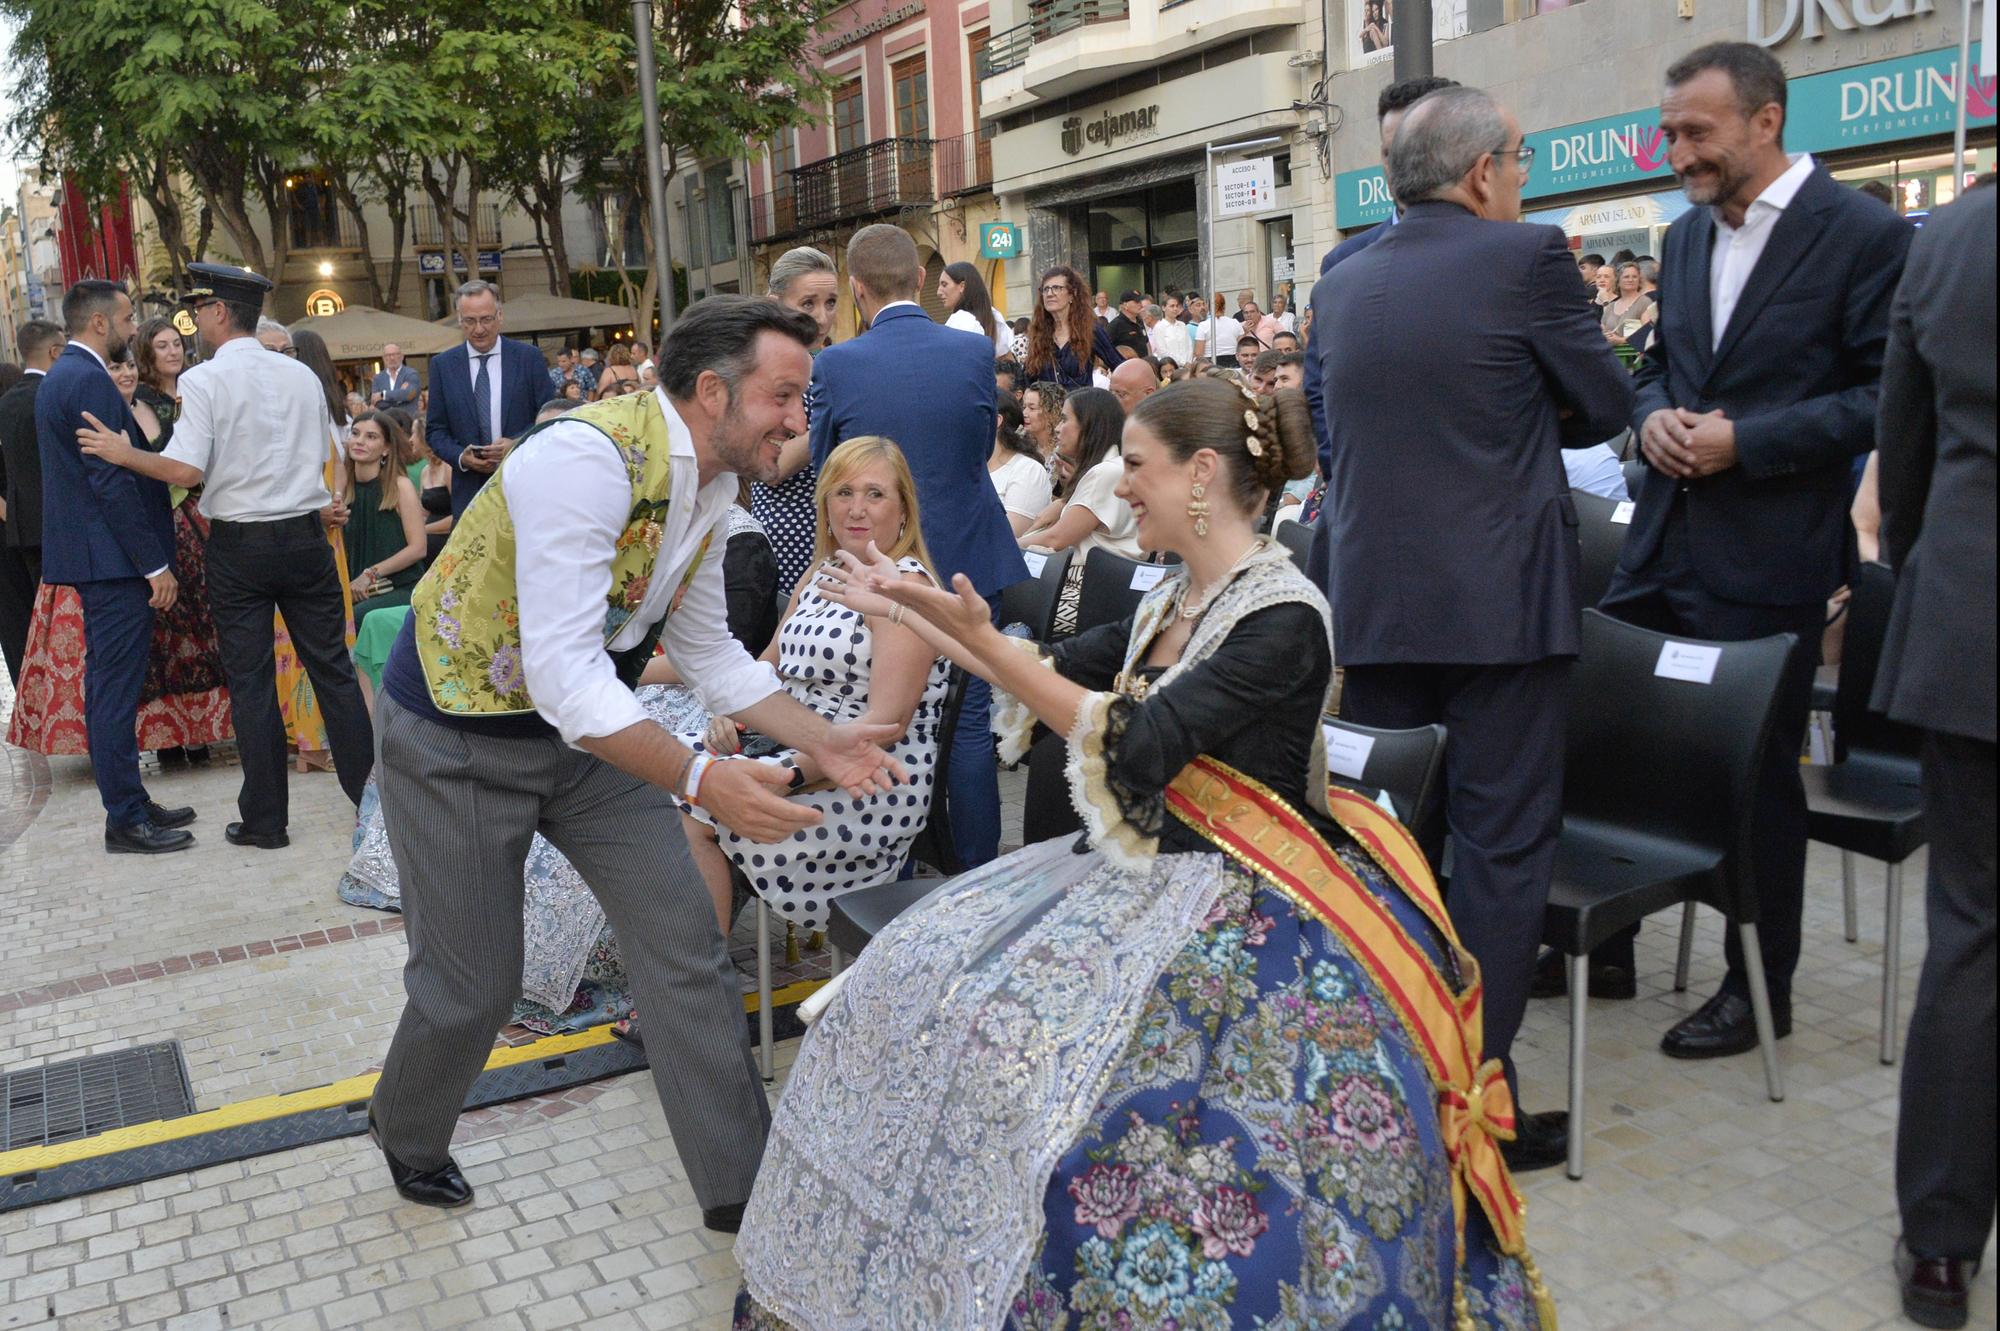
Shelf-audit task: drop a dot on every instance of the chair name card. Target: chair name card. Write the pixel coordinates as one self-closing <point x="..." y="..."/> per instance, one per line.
<point x="1347" y="753"/>
<point x="1147" y="576"/>
<point x="1036" y="562"/>
<point x="1622" y="515"/>
<point x="1689" y="661"/>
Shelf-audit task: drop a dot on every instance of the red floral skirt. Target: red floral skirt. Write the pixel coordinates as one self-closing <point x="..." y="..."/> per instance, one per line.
<point x="184" y="702"/>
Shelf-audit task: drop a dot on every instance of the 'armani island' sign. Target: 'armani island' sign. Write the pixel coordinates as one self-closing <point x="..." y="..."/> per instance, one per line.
<point x="1107" y="129"/>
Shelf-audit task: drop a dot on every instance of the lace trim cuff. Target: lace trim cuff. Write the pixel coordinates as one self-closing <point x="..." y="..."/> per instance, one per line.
<point x="1122" y="824"/>
<point x="1013" y="722"/>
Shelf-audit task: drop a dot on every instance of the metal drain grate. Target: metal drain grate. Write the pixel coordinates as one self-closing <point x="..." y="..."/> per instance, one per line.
<point x="82" y="1097"/>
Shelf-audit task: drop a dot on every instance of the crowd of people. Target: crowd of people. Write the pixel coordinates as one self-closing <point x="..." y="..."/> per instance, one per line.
<point x="603" y="648"/>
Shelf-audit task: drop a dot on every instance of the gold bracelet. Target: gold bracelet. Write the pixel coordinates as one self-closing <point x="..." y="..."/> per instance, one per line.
<point x="896" y="613"/>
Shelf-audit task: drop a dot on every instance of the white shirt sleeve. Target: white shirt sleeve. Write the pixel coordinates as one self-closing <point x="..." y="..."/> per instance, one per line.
<point x="965" y="321"/>
<point x="569" y="497"/>
<point x="697" y="640"/>
<point x="193" y="439"/>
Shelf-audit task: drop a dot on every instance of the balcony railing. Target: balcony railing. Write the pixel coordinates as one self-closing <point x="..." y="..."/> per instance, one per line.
<point x="1051" y="18"/>
<point x="426" y="230"/>
<point x="329" y="229"/>
<point x="773" y="214"/>
<point x="964" y="164"/>
<point x="863" y="182"/>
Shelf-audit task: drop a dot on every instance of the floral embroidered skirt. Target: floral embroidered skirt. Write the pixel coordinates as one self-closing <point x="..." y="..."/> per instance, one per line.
<point x="1267" y="1154"/>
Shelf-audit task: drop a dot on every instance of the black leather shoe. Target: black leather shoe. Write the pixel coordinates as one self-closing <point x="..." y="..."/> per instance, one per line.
<point x="168" y="818"/>
<point x="1722" y="1026"/>
<point x="1541" y="1141"/>
<point x="723" y="1219"/>
<point x="1935" y="1289"/>
<point x="442" y="1187"/>
<point x="1552" y="979"/>
<point x="239" y="836"/>
<point x="145" y="839"/>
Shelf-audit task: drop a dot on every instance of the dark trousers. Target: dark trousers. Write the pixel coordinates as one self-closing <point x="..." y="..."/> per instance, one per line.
<point x="255" y="568"/>
<point x="117" y="635"/>
<point x="972" y="776"/>
<point x="1668" y="598"/>
<point x="1503" y="767"/>
<point x="17" y="605"/>
<point x="1944" y="1134"/>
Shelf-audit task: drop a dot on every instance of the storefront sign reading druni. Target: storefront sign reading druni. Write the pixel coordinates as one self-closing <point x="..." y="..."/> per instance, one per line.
<point x="1107" y="129"/>
<point x="1810" y="18"/>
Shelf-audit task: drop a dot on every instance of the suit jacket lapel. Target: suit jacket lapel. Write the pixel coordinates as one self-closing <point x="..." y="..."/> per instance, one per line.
<point x="1792" y="235"/>
<point x="1694" y="291"/>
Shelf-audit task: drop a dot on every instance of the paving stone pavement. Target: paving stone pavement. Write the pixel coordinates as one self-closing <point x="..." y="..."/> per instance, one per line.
<point x="1705" y="1206"/>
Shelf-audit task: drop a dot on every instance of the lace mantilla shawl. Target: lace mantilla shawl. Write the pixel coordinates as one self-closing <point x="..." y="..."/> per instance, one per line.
<point x="902" y="1186"/>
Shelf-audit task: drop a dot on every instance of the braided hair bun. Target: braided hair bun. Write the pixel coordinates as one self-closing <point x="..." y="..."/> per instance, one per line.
<point x="1262" y="441"/>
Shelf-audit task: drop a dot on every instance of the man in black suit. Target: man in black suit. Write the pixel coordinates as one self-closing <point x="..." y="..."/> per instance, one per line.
<point x="1455" y="562"/>
<point x="1755" y="397"/>
<point x="1935" y="436"/>
<point x="21" y="491"/>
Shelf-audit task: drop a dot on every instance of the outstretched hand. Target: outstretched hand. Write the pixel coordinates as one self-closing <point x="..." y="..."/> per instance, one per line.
<point x="961" y="612"/>
<point x="104" y="443"/>
<point x="846" y="580"/>
<point x="851" y="755"/>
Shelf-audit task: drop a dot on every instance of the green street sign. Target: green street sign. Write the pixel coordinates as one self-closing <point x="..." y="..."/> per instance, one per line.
<point x="999" y="240"/>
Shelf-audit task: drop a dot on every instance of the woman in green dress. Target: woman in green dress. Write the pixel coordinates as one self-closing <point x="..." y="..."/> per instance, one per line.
<point x="384" y="534"/>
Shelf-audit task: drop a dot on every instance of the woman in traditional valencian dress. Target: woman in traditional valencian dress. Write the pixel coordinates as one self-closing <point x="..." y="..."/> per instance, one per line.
<point x="1218" y="1068"/>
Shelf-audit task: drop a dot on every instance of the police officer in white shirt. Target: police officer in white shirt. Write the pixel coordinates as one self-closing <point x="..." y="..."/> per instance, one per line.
<point x="255" y="434"/>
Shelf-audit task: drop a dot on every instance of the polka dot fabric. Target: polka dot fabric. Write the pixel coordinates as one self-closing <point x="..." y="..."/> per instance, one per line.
<point x="824" y="653"/>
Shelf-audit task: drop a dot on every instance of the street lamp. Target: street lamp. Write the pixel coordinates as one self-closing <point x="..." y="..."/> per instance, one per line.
<point x="326" y="268"/>
<point x="1208" y="247"/>
<point x="656" y="183"/>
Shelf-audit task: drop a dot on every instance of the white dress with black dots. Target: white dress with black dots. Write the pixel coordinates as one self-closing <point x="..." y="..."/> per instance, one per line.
<point x="824" y="652"/>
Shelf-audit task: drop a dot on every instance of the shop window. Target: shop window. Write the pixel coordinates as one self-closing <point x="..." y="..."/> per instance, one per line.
<point x="721" y="215"/>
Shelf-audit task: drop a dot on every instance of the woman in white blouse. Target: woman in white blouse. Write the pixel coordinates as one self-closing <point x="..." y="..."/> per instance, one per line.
<point x="1091" y="516"/>
<point x="1016" y="466"/>
<point x="964" y="293"/>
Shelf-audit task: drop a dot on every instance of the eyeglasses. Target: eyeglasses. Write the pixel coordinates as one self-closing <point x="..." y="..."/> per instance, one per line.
<point x="293" y="352"/>
<point x="478" y="321"/>
<point x="1055" y="291"/>
<point x="1524" y="156"/>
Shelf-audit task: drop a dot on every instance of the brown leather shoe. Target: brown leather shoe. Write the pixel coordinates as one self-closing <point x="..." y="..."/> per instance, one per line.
<point x="1935" y="1289"/>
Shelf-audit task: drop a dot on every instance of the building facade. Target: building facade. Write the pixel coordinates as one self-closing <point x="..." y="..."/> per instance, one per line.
<point x="899" y="140"/>
<point x="31" y="280"/>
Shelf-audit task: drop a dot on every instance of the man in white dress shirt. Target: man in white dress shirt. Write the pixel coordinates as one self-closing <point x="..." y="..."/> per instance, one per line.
<point x="255" y="434"/>
<point x="544" y="734"/>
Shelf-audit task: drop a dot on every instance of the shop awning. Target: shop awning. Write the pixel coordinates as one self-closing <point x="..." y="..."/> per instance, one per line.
<point x="359" y="332"/>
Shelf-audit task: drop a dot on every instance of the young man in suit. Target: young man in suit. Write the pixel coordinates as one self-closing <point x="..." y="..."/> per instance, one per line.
<point x="484" y="393"/>
<point x="1754" y="399"/>
<point x="1935" y="436"/>
<point x="113" y="541"/>
<point x="21" y="491"/>
<point x="930" y="389"/>
<point x="395" y="385"/>
<point x="1478" y="631"/>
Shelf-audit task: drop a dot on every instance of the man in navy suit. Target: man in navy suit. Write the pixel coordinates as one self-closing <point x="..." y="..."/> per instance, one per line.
<point x="484" y="393"/>
<point x="21" y="491"/>
<point x="1754" y="399"/>
<point x="395" y="384"/>
<point x="931" y="390"/>
<point x="110" y="535"/>
<point x="1455" y="568"/>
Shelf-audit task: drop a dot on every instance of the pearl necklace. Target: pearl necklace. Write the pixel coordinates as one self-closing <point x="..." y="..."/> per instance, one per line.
<point x="1192" y="609"/>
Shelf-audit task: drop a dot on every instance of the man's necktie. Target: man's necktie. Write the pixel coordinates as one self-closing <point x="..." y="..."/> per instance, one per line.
<point x="482" y="388"/>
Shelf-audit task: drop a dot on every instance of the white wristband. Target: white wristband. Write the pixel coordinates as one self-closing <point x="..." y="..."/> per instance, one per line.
<point x="697" y="766"/>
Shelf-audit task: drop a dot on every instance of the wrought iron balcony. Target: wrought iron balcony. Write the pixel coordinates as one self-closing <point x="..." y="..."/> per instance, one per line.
<point x="774" y="214"/>
<point x="1051" y="18"/>
<point x="427" y="231"/>
<point x="964" y="164"/>
<point x="330" y="227"/>
<point x="876" y="178"/>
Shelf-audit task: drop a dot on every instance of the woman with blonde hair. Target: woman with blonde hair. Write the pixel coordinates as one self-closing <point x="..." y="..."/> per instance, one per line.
<point x="806" y="280"/>
<point x="848" y="667"/>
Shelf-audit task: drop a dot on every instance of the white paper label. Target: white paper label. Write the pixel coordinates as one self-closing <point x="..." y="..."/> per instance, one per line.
<point x="1622" y="515"/>
<point x="1036" y="562"/>
<point x="1147" y="576"/>
<point x="1689" y="661"/>
<point x="1347" y="753"/>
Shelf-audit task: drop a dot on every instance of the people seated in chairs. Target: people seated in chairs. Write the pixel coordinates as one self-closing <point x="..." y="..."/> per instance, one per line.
<point x="1076" y="1084"/>
<point x="848" y="667"/>
<point x="1092" y="514"/>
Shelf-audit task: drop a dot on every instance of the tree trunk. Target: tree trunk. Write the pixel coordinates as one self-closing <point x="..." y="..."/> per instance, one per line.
<point x="343" y="190"/>
<point x="472" y="220"/>
<point x="549" y="185"/>
<point x="156" y="187"/>
<point x="441" y="192"/>
<point x="204" y="228"/>
<point x="534" y="211"/>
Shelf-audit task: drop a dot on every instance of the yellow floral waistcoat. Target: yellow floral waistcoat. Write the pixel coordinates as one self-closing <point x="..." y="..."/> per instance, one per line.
<point x="466" y="610"/>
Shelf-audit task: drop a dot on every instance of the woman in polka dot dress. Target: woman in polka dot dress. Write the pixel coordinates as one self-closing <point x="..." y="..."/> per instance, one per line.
<point x="846" y="667"/>
<point x="804" y="279"/>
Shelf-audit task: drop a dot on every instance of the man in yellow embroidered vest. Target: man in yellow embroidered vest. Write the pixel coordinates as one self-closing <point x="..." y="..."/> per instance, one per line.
<point x="507" y="709"/>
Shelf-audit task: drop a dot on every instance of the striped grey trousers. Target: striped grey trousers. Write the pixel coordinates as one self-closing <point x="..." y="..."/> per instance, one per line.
<point x="461" y="809"/>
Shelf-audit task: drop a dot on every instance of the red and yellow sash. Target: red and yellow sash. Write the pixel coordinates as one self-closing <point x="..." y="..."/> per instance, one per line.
<point x="1255" y="827"/>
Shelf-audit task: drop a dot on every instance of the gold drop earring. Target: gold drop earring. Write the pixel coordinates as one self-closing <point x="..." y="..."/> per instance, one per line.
<point x="1198" y="508"/>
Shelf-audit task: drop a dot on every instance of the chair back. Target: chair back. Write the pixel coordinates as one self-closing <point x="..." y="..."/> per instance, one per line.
<point x="1602" y="539"/>
<point x="934" y="844"/>
<point x="1858" y="727"/>
<point x="1659" y="756"/>
<point x="1297" y="538"/>
<point x="1032" y="601"/>
<point x="1405" y="765"/>
<point x="1112" y="587"/>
